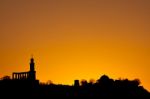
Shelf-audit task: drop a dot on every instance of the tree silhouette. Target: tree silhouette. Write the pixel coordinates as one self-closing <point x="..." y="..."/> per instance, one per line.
<point x="84" y="82"/>
<point x="104" y="87"/>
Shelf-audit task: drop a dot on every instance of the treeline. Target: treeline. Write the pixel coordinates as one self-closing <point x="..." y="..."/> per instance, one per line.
<point x="102" y="88"/>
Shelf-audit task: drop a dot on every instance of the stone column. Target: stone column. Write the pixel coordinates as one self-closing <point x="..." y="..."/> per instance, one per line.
<point x="19" y="76"/>
<point x="13" y="76"/>
<point x="16" y="76"/>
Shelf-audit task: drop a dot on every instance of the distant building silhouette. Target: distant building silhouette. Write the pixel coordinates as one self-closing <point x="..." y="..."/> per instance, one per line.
<point x="76" y="82"/>
<point x="30" y="75"/>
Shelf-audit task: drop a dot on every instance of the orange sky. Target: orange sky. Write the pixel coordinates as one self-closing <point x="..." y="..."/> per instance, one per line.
<point x="76" y="39"/>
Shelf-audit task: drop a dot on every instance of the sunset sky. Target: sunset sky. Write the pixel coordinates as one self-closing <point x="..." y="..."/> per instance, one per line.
<point x="76" y="39"/>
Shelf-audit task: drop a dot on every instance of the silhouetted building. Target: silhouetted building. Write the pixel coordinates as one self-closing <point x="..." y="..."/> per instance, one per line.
<point x="30" y="75"/>
<point x="76" y="82"/>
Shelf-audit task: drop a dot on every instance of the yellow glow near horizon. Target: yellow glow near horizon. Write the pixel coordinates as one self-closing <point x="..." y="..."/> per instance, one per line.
<point x="76" y="39"/>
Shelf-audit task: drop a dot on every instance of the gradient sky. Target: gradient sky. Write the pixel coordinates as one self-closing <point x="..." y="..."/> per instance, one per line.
<point x="76" y="39"/>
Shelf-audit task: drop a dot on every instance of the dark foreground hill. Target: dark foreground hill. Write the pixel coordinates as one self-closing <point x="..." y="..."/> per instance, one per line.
<point x="103" y="88"/>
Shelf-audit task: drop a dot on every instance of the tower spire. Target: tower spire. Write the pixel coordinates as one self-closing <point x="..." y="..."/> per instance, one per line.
<point x="32" y="64"/>
<point x="32" y="69"/>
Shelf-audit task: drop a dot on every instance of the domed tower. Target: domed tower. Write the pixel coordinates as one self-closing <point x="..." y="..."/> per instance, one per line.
<point x="32" y="72"/>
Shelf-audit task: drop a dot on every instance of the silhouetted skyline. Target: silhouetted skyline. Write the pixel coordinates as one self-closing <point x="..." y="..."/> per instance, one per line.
<point x="25" y="83"/>
<point x="104" y="87"/>
<point x="76" y="39"/>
